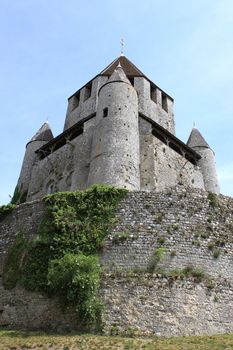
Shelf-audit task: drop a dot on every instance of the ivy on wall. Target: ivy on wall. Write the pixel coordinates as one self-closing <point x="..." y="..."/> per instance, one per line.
<point x="62" y="260"/>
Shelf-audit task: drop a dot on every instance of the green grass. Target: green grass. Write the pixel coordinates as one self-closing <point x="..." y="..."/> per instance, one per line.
<point x="16" y="340"/>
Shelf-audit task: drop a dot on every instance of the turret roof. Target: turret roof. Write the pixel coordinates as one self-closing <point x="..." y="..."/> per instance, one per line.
<point x="119" y="75"/>
<point x="43" y="134"/>
<point x="196" y="139"/>
<point x="129" y="68"/>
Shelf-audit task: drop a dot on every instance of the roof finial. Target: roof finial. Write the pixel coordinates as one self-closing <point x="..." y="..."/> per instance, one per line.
<point x="122" y="46"/>
<point x="194" y="124"/>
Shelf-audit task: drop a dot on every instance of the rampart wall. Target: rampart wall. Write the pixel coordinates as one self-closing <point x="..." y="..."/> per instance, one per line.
<point x="194" y="228"/>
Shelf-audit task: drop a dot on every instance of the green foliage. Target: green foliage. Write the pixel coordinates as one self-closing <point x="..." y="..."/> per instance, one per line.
<point x="35" y="268"/>
<point x="75" y="279"/>
<point x="156" y="259"/>
<point x="189" y="271"/>
<point x="22" y="340"/>
<point x="5" y="210"/>
<point x="79" y="220"/>
<point x="213" y="199"/>
<point x="173" y="253"/>
<point x="62" y="260"/>
<point x="161" y="240"/>
<point x="119" y="237"/>
<point x="18" y="196"/>
<point x="12" y="269"/>
<point x="197" y="273"/>
<point x="216" y="253"/>
<point x="159" y="218"/>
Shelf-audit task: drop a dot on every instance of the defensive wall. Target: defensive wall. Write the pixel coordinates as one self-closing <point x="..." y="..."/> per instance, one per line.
<point x="194" y="230"/>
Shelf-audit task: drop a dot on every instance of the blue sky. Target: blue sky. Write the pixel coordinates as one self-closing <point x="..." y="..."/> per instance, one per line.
<point x="51" y="48"/>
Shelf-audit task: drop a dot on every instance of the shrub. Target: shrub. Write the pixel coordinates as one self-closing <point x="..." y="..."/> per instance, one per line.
<point x="5" y="210"/>
<point x="173" y="253"/>
<point x="155" y="259"/>
<point x="197" y="273"/>
<point x="119" y="237"/>
<point x="75" y="279"/>
<point x="213" y="199"/>
<point x="216" y="253"/>
<point x="161" y="240"/>
<point x="159" y="218"/>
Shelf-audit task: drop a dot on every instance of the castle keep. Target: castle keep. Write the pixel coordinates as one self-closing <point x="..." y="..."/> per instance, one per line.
<point x="119" y="130"/>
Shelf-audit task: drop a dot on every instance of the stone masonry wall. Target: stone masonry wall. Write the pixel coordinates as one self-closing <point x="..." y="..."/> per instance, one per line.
<point x="194" y="228"/>
<point x="191" y="227"/>
<point x="166" y="306"/>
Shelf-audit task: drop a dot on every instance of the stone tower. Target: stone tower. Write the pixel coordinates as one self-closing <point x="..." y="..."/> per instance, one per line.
<point x="206" y="162"/>
<point x="119" y="130"/>
<point x="115" y="155"/>
<point x="43" y="135"/>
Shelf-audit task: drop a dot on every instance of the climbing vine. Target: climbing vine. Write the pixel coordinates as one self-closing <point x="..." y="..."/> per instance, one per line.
<point x="63" y="260"/>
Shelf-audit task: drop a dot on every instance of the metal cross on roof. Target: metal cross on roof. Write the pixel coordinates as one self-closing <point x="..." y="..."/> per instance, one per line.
<point x="122" y="46"/>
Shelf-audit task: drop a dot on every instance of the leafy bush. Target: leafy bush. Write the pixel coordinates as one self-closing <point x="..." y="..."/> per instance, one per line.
<point x="159" y="218"/>
<point x="75" y="279"/>
<point x="155" y="259"/>
<point x="197" y="273"/>
<point x="5" y="210"/>
<point x="213" y="199"/>
<point x="216" y="253"/>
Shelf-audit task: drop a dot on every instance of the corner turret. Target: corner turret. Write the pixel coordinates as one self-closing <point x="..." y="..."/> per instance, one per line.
<point x="43" y="135"/>
<point x="115" y="153"/>
<point x="207" y="162"/>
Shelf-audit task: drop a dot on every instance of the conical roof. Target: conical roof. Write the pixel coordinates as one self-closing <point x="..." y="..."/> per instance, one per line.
<point x="119" y="75"/>
<point x="129" y="68"/>
<point x="43" y="134"/>
<point x="196" y="139"/>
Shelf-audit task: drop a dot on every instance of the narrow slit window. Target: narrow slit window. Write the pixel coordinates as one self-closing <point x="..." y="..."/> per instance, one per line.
<point x="164" y="101"/>
<point x="131" y="79"/>
<point x="75" y="100"/>
<point x="87" y="93"/>
<point x="153" y="93"/>
<point x="105" y="112"/>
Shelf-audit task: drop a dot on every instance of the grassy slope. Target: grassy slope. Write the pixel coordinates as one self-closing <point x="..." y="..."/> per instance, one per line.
<point x="21" y="341"/>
